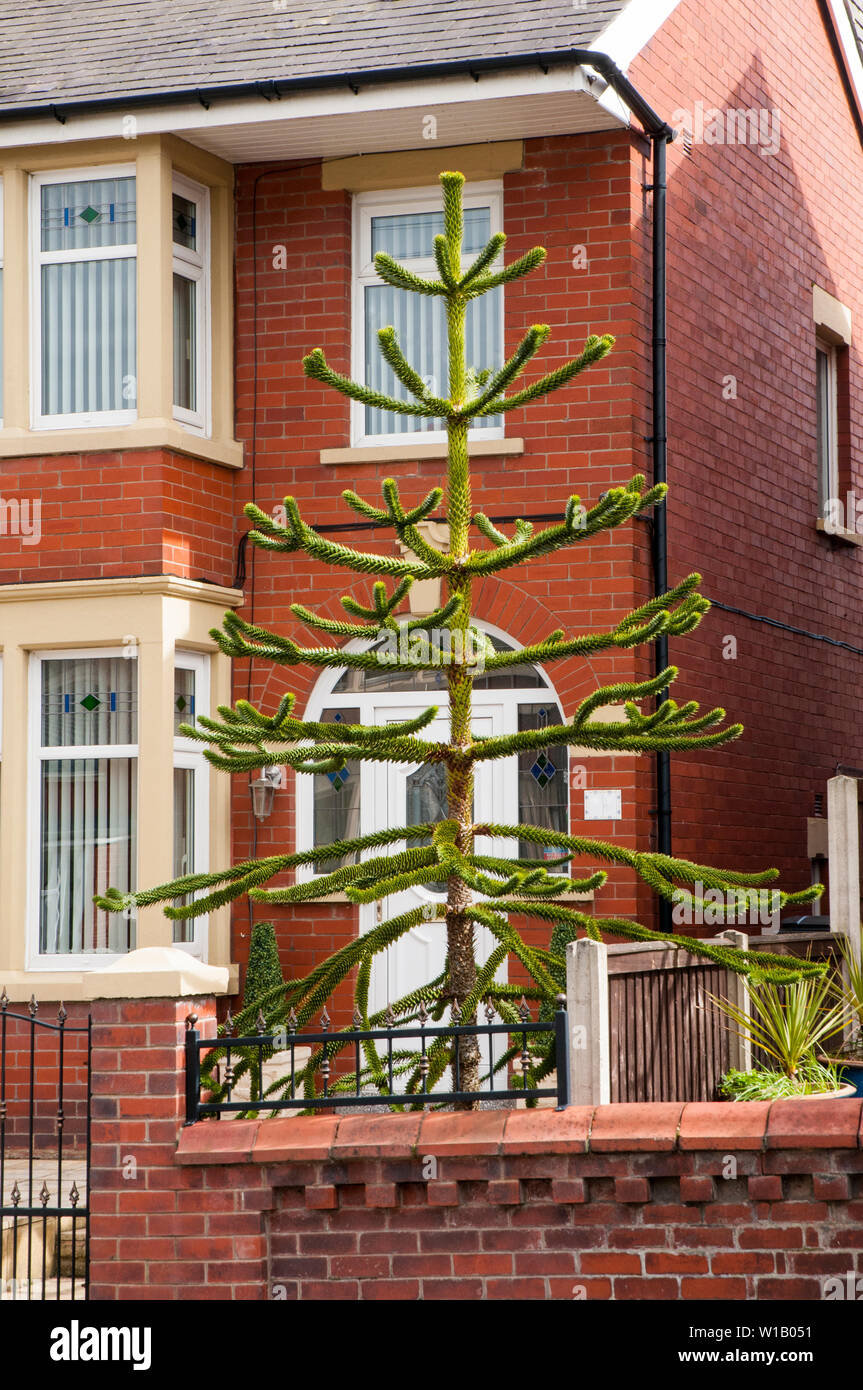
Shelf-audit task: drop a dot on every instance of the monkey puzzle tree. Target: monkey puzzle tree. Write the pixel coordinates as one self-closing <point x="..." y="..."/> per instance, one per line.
<point x="485" y="889"/>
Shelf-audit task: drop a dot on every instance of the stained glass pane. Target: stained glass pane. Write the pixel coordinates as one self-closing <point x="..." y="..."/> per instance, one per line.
<point x="89" y="700"/>
<point x="88" y="213"/>
<point x="543" y="781"/>
<point x="185" y="222"/>
<point x="184" y="698"/>
<point x="337" y="800"/>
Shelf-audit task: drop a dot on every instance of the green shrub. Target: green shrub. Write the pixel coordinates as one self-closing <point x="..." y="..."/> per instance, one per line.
<point x="264" y="970"/>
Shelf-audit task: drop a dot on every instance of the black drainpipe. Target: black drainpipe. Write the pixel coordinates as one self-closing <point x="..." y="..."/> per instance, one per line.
<point x="660" y="474"/>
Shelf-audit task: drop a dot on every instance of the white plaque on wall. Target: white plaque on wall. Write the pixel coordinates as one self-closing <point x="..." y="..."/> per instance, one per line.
<point x="603" y="805"/>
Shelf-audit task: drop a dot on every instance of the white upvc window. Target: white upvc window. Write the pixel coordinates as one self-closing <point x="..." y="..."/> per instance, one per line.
<point x="404" y="225"/>
<point x="82" y="803"/>
<point x="84" y="323"/>
<point x="191" y="789"/>
<point x="190" y="223"/>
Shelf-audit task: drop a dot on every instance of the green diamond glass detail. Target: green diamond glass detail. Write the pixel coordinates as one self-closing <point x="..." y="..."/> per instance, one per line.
<point x="181" y="703"/>
<point x="90" y="214"/>
<point x="90" y="702"/>
<point x="543" y="770"/>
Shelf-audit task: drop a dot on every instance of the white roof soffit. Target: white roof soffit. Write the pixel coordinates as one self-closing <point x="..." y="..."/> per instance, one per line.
<point x="325" y="122"/>
<point x="333" y="122"/>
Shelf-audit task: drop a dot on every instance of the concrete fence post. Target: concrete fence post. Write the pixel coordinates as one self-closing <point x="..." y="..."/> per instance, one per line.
<point x="587" y="1005"/>
<point x="844" y="858"/>
<point x="740" y="1049"/>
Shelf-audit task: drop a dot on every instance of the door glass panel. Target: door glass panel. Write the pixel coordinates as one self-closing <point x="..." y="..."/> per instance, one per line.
<point x="425" y="800"/>
<point x="336" y="813"/>
<point x="543" y="782"/>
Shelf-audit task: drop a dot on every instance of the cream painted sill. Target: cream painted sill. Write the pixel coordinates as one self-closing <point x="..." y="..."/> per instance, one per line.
<point x="838" y="533"/>
<point x="411" y="452"/>
<point x="72" y="986"/>
<point x="140" y="434"/>
<point x="165" y="585"/>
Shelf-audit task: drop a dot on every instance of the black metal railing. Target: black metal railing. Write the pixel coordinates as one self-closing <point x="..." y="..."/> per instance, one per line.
<point x="249" y="1053"/>
<point x="45" y="1102"/>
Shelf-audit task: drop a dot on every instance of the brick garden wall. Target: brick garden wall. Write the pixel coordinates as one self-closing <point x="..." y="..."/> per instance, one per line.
<point x="702" y="1201"/>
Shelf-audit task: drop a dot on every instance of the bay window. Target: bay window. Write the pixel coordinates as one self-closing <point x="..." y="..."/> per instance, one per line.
<point x="404" y="225"/>
<point x="84" y="280"/>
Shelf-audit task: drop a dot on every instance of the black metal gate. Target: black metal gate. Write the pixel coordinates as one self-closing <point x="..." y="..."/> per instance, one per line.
<point x="45" y="1095"/>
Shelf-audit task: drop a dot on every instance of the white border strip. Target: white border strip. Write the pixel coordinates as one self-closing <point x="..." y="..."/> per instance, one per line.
<point x="844" y="31"/>
<point x="631" y="30"/>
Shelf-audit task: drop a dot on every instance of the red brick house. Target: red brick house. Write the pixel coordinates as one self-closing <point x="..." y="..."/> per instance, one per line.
<point x="192" y="200"/>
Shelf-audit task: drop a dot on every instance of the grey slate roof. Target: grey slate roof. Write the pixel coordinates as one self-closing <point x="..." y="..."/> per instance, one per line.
<point x="57" y="52"/>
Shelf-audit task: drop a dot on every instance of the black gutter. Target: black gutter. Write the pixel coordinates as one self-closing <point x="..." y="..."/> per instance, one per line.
<point x="273" y="89"/>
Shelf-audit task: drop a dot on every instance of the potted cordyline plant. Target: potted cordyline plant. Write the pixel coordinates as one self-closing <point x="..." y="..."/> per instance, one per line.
<point x="789" y="1024"/>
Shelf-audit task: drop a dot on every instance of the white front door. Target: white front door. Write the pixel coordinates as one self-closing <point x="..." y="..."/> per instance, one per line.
<point x="410" y="794"/>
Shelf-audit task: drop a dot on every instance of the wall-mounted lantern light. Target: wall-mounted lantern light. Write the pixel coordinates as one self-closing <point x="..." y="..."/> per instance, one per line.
<point x="263" y="790"/>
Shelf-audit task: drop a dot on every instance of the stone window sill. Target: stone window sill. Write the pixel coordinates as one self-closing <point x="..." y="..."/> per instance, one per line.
<point x="140" y="434"/>
<point x="838" y="533"/>
<point x="411" y="452"/>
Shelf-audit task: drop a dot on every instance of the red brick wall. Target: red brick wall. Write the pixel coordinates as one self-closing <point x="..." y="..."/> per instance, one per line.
<point x="748" y="236"/>
<point x="572" y="192"/>
<point x="158" y="1231"/>
<point x="109" y="515"/>
<point x="666" y="1201"/>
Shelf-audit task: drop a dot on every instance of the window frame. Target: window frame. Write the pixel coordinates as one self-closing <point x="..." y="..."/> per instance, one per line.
<point x="827" y="431"/>
<point x="195" y="266"/>
<point x="39" y="258"/>
<point x="37" y="754"/>
<point x="189" y="754"/>
<point x="392" y="202"/>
